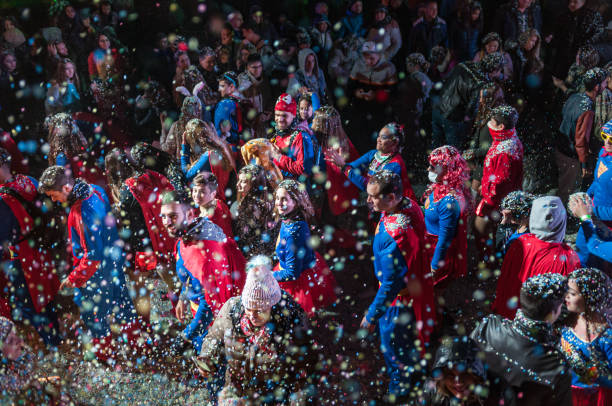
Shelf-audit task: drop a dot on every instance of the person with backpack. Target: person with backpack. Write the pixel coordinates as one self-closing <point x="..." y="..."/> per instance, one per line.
<point x="28" y="268"/>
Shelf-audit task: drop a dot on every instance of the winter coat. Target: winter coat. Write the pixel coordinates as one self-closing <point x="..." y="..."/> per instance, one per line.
<point x="257" y="92"/>
<point x="576" y="127"/>
<point x="315" y="82"/>
<point x="342" y="59"/>
<point x="426" y="35"/>
<point x="523" y="372"/>
<point x="390" y="41"/>
<point x="510" y="23"/>
<point x="461" y="91"/>
<point x="259" y="363"/>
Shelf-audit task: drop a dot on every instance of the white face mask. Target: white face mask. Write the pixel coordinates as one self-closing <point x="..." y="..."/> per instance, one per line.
<point x="433" y="177"/>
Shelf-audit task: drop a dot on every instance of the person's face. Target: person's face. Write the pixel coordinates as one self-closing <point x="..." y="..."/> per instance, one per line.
<point x="62" y="49"/>
<point x="378" y="202"/>
<point x="608" y="143"/>
<point x="573" y="298"/>
<point x="59" y="196"/>
<point x="244" y="55"/>
<point x="10" y="63"/>
<point x="283" y="119"/>
<point x="357" y="7"/>
<point x="284" y="202"/>
<point x="508" y="218"/>
<point x="258" y="17"/>
<point x="69" y="70"/>
<point x="379" y="15"/>
<point x="163" y="43"/>
<point x="106" y="9"/>
<point x="491" y="46"/>
<point x="183" y="61"/>
<point x="309" y="63"/>
<point x="322" y="26"/>
<point x="175" y="218"/>
<point x="243" y="186"/>
<point x="226" y="36"/>
<point x="226" y="89"/>
<point x="386" y="143"/>
<point x="574" y="5"/>
<point x="104" y="42"/>
<point x="305" y="110"/>
<point x="431" y="11"/>
<point x="236" y="22"/>
<point x="203" y="195"/>
<point x="13" y="346"/>
<point x="459" y="383"/>
<point x="255" y="69"/>
<point x="533" y="40"/>
<point x="258" y="317"/>
<point x="371" y="59"/>
<point x="70" y="12"/>
<point x="208" y="63"/>
<point x="475" y="14"/>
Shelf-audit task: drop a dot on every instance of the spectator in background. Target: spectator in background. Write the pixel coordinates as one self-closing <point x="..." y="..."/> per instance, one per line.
<point x="260" y="25"/>
<point x="352" y="23"/>
<point x="309" y="77"/>
<point x="429" y="31"/>
<point x="603" y="106"/>
<point x="516" y="17"/>
<point x="207" y="59"/>
<point x="492" y="43"/>
<point x="344" y="56"/>
<point x="385" y="33"/>
<point x="465" y="32"/>
<point x="322" y="38"/>
<point x="586" y="58"/>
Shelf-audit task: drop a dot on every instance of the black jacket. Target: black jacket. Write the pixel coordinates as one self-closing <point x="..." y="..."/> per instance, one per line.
<point x="521" y="371"/>
<point x="460" y="93"/>
<point x="507" y="20"/>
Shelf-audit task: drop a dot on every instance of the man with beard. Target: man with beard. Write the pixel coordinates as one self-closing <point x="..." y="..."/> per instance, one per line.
<point x="209" y="265"/>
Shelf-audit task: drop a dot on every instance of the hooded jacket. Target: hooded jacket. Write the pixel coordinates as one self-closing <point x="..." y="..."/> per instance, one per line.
<point x="461" y="90"/>
<point x="315" y="82"/>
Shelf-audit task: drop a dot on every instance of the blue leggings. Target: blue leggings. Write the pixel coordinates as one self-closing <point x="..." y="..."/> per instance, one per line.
<point x="397" y="338"/>
<point x="22" y="307"/>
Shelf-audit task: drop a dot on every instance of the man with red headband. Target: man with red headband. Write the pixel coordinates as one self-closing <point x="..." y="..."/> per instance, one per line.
<point x="503" y="169"/>
<point x="294" y="152"/>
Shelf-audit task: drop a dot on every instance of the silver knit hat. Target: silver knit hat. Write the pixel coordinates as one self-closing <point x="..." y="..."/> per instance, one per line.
<point x="261" y="291"/>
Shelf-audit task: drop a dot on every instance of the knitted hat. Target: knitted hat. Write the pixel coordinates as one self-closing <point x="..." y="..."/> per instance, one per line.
<point x="548" y="219"/>
<point x="286" y="103"/>
<point x="261" y="290"/>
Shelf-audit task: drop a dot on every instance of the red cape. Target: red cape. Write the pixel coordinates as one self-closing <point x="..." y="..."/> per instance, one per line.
<point x="529" y="256"/>
<point x="218" y="266"/>
<point x="147" y="190"/>
<point x="341" y="191"/>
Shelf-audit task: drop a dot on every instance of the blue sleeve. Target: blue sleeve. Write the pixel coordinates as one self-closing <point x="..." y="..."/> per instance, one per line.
<point x="61" y="159"/>
<point x="316" y="102"/>
<point x="603" y="212"/>
<point x="202" y="318"/>
<point x="596" y="246"/>
<point x="34" y="181"/>
<point x="604" y="346"/>
<point x="200" y="165"/>
<point x="190" y="286"/>
<point x="294" y="256"/>
<point x="449" y="213"/>
<point x="392" y="268"/>
<point x="308" y="149"/>
<point x="223" y="112"/>
<point x="359" y="168"/>
<point x="393" y="167"/>
<point x="94" y="228"/>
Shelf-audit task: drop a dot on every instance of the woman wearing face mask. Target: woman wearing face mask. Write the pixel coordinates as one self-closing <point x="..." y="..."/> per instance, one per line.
<point x="587" y="338"/>
<point x="447" y="205"/>
<point x="301" y="271"/>
<point x="253" y="212"/>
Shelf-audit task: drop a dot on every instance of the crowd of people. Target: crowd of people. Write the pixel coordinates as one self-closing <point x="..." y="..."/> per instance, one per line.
<point x="313" y="186"/>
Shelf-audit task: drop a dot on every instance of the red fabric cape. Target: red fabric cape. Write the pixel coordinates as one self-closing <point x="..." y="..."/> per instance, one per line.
<point x="147" y="190"/>
<point x="408" y="192"/>
<point x="218" y="266"/>
<point x="526" y="257"/>
<point x="341" y="190"/>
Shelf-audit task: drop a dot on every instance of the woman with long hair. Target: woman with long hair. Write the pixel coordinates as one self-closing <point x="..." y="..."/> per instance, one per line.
<point x="202" y="150"/>
<point x="447" y="204"/>
<point x="253" y="212"/>
<point x="492" y="43"/>
<point x="137" y="207"/>
<point x="170" y="140"/>
<point x="104" y="62"/>
<point x="587" y="337"/>
<point x="301" y="271"/>
<point x="63" y="95"/>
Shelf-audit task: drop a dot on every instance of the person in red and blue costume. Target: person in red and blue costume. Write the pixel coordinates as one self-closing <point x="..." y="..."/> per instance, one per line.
<point x="208" y="264"/>
<point x="387" y="156"/>
<point x="30" y="281"/>
<point x="98" y="275"/>
<point x="294" y="152"/>
<point x="300" y="271"/>
<point x="447" y="205"/>
<point x="228" y="110"/>
<point x="601" y="194"/>
<point x="404" y="303"/>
